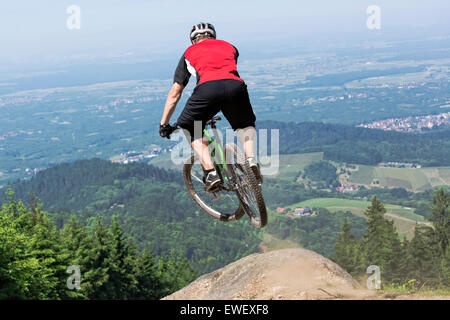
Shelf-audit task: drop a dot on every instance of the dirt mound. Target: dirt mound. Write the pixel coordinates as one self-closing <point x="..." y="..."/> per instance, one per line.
<point x="282" y="274"/>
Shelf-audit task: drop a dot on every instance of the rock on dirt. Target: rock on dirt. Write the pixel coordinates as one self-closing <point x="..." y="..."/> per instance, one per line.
<point x="288" y="274"/>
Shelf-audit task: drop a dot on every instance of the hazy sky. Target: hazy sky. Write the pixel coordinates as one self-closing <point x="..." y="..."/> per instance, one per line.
<point x="36" y="31"/>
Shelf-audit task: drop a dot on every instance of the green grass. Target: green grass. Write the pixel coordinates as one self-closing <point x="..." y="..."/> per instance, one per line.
<point x="409" y="289"/>
<point x="164" y="161"/>
<point x="358" y="207"/>
<point x="410" y="179"/>
<point x="291" y="164"/>
<point x="364" y="175"/>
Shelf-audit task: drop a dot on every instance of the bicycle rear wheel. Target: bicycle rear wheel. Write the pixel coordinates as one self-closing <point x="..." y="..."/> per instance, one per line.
<point x="248" y="189"/>
<point x="223" y="205"/>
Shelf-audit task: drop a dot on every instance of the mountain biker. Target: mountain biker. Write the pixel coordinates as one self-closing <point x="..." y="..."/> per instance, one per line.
<point x="219" y="88"/>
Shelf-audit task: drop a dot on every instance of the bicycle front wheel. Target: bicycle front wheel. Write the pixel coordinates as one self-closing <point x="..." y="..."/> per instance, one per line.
<point x="223" y="205"/>
<point x="247" y="187"/>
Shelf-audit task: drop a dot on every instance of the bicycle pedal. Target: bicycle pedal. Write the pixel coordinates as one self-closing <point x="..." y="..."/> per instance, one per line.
<point x="214" y="188"/>
<point x="214" y="194"/>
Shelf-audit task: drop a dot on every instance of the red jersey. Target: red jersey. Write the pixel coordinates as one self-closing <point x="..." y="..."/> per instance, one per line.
<point x="208" y="60"/>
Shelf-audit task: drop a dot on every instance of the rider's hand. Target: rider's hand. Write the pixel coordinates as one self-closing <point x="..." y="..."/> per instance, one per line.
<point x="165" y="130"/>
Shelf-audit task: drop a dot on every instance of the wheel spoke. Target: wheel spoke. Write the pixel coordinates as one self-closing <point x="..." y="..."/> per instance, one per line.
<point x="220" y="203"/>
<point x="247" y="187"/>
<point x="197" y="178"/>
<point x="246" y="194"/>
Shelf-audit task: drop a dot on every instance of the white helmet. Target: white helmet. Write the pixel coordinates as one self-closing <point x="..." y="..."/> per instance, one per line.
<point x="202" y="29"/>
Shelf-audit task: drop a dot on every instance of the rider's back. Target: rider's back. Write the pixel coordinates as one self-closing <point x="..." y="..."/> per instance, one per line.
<point x="212" y="59"/>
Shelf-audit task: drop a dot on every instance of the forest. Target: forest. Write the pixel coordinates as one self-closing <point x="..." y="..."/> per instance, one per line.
<point x="318" y="232"/>
<point x="323" y="173"/>
<point x="150" y="203"/>
<point x="36" y="259"/>
<point x="348" y="144"/>
<point x="154" y="209"/>
<point x="422" y="262"/>
<point x="84" y="213"/>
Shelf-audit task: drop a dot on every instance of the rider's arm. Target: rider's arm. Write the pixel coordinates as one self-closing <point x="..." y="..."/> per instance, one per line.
<point x="181" y="79"/>
<point x="172" y="99"/>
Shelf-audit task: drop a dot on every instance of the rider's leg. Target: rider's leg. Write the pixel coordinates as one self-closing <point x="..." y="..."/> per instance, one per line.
<point x="240" y="115"/>
<point x="211" y="178"/>
<point x="246" y="137"/>
<point x="200" y="147"/>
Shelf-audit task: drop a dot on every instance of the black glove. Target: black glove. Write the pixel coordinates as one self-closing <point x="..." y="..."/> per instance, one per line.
<point x="165" y="130"/>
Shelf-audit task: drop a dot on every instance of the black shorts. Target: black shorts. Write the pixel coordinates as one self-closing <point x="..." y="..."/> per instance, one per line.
<point x="229" y="96"/>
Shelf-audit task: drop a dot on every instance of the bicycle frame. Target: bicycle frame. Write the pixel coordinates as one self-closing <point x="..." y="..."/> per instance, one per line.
<point x="216" y="144"/>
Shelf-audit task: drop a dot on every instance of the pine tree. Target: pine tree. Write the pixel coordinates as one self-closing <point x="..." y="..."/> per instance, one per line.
<point x="381" y="244"/>
<point x="96" y="275"/>
<point x="121" y="261"/>
<point x="445" y="267"/>
<point x="404" y="263"/>
<point x="31" y="260"/>
<point x="441" y="227"/>
<point x="34" y="257"/>
<point x="77" y="243"/>
<point x="149" y="286"/>
<point x="441" y="219"/>
<point x="423" y="257"/>
<point x="346" y="254"/>
<point x="175" y="272"/>
<point x="17" y="270"/>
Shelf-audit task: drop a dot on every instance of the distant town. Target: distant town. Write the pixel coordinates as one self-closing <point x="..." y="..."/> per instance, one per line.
<point x="136" y="156"/>
<point x="306" y="211"/>
<point x="347" y="188"/>
<point x="120" y="101"/>
<point x="410" y="124"/>
<point x="399" y="165"/>
<point x="32" y="171"/>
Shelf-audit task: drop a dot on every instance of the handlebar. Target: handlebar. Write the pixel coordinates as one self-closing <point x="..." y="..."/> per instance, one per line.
<point x="211" y="122"/>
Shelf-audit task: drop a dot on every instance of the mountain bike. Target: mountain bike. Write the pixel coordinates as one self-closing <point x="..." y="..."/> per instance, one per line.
<point x="239" y="191"/>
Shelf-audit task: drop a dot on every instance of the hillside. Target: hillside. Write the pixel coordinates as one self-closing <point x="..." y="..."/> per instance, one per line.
<point x="155" y="211"/>
<point x="151" y="204"/>
<point x="404" y="219"/>
<point x="350" y="144"/>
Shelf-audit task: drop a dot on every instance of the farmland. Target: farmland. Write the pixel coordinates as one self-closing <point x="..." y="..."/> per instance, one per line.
<point x="411" y="179"/>
<point x="416" y="179"/>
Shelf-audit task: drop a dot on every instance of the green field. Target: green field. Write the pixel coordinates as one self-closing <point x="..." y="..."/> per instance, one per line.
<point x="415" y="180"/>
<point x="404" y="218"/>
<point x="291" y="164"/>
<point x="410" y="179"/>
<point x="164" y="161"/>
